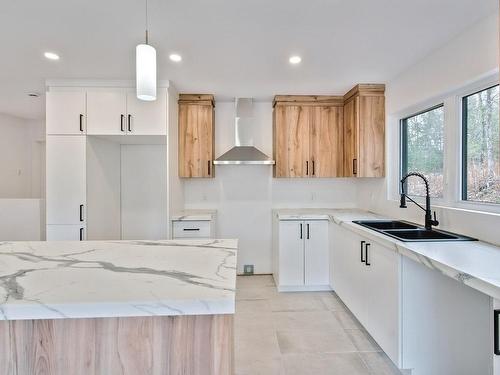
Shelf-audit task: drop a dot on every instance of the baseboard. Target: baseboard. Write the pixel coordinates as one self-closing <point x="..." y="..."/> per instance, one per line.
<point x="304" y="288"/>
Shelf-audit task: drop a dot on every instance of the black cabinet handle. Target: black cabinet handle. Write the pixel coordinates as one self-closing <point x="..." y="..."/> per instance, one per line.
<point x="354" y="166"/>
<point x="301" y="231"/>
<point x="129" y="123"/>
<point x="366" y="255"/>
<point x="81" y="122"/>
<point x="307" y="168"/>
<point x="121" y="122"/>
<point x="313" y="167"/>
<point x="81" y="234"/>
<point x="361" y="251"/>
<point x="191" y="229"/>
<point x="308" y="231"/>
<point x="496" y="334"/>
<point x="209" y="167"/>
<point x="81" y="213"/>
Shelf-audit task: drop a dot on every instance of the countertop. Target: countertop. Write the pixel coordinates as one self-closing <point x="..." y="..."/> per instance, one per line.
<point x="91" y="279"/>
<point x="476" y="263"/>
<point x="194" y="215"/>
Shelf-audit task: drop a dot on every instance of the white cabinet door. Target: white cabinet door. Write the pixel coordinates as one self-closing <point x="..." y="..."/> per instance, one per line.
<point x="316" y="265"/>
<point x="65" y="113"/>
<point x="147" y="118"/>
<point x="65" y="176"/>
<point x="496" y="357"/>
<point x="382" y="296"/>
<point x="66" y="233"/>
<point x="291" y="253"/>
<point x="107" y="112"/>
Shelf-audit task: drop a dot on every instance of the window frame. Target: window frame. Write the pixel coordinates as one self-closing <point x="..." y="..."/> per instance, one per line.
<point x="463" y="149"/>
<point x="403" y="146"/>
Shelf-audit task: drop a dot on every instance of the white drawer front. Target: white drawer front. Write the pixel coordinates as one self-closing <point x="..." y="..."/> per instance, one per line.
<point x="191" y="229"/>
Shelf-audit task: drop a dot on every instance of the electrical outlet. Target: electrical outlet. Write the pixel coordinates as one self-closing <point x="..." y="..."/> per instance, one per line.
<point x="248" y="269"/>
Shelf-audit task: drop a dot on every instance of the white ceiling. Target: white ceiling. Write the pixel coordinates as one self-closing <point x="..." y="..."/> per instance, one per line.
<point x="229" y="47"/>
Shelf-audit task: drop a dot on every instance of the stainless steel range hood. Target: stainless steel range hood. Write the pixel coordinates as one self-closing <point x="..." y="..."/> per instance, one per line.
<point x="244" y="151"/>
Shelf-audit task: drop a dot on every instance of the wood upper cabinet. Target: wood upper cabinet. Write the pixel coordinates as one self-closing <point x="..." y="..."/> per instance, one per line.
<point x="196" y="135"/>
<point x="364" y="131"/>
<point x="307" y="136"/>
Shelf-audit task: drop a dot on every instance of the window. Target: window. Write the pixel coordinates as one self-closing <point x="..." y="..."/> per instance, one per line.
<point x="422" y="146"/>
<point x="481" y="147"/>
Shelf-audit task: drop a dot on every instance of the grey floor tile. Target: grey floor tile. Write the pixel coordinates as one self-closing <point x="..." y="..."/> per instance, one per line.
<point x="254" y="281"/>
<point x="363" y="341"/>
<point x="302" y="341"/>
<point x="379" y="364"/>
<point x="256" y="345"/>
<point x="266" y="292"/>
<point x="306" y="320"/>
<point x="332" y="302"/>
<point x="324" y="364"/>
<point x="255" y="366"/>
<point x="260" y="321"/>
<point x="347" y="320"/>
<point x="253" y="306"/>
<point x="296" y="302"/>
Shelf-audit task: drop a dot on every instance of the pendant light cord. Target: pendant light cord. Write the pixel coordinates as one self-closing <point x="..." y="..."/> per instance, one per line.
<point x="147" y="36"/>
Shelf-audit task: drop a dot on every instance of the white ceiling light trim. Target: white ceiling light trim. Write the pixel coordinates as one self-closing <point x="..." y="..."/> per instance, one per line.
<point x="295" y="60"/>
<point x="51" y="56"/>
<point x="145" y="65"/>
<point x="175" y="57"/>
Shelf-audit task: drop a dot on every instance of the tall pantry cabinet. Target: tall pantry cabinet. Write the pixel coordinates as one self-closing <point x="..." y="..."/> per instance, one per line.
<point x="92" y="129"/>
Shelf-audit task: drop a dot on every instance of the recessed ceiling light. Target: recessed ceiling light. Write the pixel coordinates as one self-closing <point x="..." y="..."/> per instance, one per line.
<point x="295" y="60"/>
<point x="51" y="55"/>
<point x="175" y="57"/>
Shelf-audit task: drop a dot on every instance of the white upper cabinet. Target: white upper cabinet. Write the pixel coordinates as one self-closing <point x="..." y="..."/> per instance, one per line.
<point x="119" y="112"/>
<point x="66" y="113"/>
<point x="147" y="118"/>
<point x="66" y="179"/>
<point x="107" y="112"/>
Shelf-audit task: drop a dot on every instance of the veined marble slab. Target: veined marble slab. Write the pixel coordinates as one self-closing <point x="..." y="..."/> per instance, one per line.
<point x="95" y="279"/>
<point x="194" y="215"/>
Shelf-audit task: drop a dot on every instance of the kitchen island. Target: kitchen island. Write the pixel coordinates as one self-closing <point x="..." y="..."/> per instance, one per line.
<point x="117" y="307"/>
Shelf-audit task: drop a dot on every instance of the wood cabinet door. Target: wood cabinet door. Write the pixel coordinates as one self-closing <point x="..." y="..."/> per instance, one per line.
<point x="292" y="127"/>
<point x="351" y="122"/>
<point x="371" y="136"/>
<point x="65" y="112"/>
<point x="147" y="118"/>
<point x="107" y="112"/>
<point x="196" y="144"/>
<point x="291" y="253"/>
<point x="66" y="179"/>
<point x="316" y="264"/>
<point x="326" y="148"/>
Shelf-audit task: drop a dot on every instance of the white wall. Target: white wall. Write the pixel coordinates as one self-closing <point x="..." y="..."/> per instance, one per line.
<point x="468" y="58"/>
<point x="22" y="220"/>
<point x="245" y="195"/>
<point x="21" y="151"/>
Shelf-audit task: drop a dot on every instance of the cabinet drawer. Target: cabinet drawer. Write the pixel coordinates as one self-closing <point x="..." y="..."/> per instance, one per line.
<point x="191" y="229"/>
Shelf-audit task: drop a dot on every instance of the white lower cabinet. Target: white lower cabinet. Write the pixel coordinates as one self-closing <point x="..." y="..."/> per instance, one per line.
<point x="496" y="337"/>
<point x="426" y="322"/>
<point x="66" y="233"/>
<point x="302" y="255"/>
<point x="66" y="179"/>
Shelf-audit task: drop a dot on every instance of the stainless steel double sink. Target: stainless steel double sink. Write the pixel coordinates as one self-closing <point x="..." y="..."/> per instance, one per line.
<point x="409" y="232"/>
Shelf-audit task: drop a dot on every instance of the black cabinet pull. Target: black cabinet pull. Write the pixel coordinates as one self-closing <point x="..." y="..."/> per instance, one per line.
<point x="307" y="168"/>
<point x="496" y="334"/>
<point x="81" y="122"/>
<point x="121" y="122"/>
<point x="366" y="255"/>
<point x="81" y="213"/>
<point x="191" y="229"/>
<point x="354" y="166"/>
<point x="81" y="234"/>
<point x="129" y="123"/>
<point x="361" y="251"/>
<point x="301" y="231"/>
<point x="307" y="231"/>
<point x="209" y="167"/>
<point x="313" y="167"/>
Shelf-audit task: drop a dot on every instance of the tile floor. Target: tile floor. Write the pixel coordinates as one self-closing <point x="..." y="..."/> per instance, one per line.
<point x="309" y="333"/>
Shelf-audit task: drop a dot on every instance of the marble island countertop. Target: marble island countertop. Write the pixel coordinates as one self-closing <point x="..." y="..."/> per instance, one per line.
<point x="91" y="279"/>
<point x="476" y="263"/>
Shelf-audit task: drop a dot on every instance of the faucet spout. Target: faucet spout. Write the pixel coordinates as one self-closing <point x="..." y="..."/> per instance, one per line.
<point x="429" y="222"/>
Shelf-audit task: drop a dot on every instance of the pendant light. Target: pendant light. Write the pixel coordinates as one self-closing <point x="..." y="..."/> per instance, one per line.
<point x="145" y="65"/>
